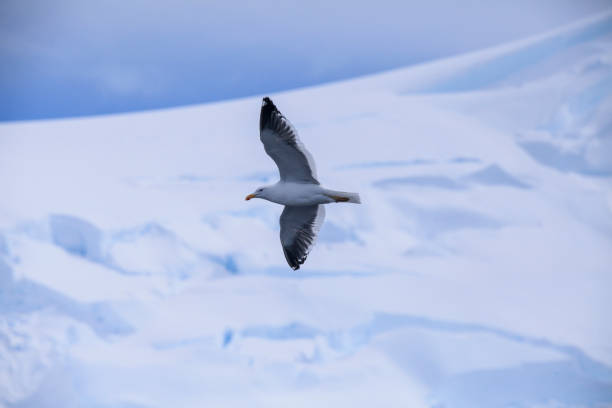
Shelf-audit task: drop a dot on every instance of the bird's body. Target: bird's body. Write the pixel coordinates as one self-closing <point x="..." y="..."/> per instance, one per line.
<point x="288" y="193"/>
<point x="298" y="189"/>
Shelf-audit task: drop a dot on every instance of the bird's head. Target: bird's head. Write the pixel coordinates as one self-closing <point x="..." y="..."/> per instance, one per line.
<point x="259" y="193"/>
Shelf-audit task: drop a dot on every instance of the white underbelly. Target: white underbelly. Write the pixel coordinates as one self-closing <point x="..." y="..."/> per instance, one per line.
<point x="299" y="194"/>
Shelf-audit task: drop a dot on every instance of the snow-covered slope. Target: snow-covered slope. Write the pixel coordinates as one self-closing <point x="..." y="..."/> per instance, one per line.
<point x="476" y="273"/>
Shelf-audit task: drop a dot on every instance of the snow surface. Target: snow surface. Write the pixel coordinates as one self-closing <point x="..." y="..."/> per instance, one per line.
<point x="476" y="273"/>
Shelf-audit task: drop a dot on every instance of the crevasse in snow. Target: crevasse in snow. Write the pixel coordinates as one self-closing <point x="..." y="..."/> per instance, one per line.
<point x="474" y="274"/>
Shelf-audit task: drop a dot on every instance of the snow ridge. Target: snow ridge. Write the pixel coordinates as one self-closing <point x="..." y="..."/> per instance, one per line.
<point x="132" y="274"/>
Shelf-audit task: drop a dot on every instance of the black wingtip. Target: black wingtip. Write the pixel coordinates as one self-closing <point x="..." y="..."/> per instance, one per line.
<point x="267" y="107"/>
<point x="292" y="259"/>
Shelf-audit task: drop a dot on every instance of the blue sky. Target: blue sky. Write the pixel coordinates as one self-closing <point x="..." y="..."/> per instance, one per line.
<point x="69" y="58"/>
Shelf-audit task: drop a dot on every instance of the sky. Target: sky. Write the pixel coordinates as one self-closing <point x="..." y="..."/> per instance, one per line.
<point x="69" y="58"/>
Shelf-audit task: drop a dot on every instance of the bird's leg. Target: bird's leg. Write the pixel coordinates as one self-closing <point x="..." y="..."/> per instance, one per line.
<point x="338" y="199"/>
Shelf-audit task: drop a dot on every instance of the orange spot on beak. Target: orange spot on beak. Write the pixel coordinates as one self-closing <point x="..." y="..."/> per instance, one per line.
<point x="250" y="196"/>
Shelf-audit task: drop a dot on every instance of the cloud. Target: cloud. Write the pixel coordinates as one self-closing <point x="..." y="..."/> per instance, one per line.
<point x="162" y="53"/>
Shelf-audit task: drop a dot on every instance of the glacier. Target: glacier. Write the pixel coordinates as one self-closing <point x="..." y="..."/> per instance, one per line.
<point x="476" y="273"/>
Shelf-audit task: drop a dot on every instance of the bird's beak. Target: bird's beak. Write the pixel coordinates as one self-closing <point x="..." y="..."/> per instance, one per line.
<point x="250" y="196"/>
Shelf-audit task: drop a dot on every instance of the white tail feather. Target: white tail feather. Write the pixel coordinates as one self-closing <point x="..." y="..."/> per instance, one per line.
<point x="353" y="198"/>
<point x="343" y="196"/>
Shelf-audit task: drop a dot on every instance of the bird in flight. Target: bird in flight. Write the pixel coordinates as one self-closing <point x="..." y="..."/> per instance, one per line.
<point x="298" y="189"/>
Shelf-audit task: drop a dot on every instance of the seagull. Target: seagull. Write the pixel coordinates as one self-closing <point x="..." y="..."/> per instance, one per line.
<point x="298" y="188"/>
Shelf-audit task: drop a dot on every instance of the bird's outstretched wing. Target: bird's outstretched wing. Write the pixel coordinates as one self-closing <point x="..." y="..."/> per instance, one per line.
<point x="299" y="226"/>
<point x="281" y="142"/>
